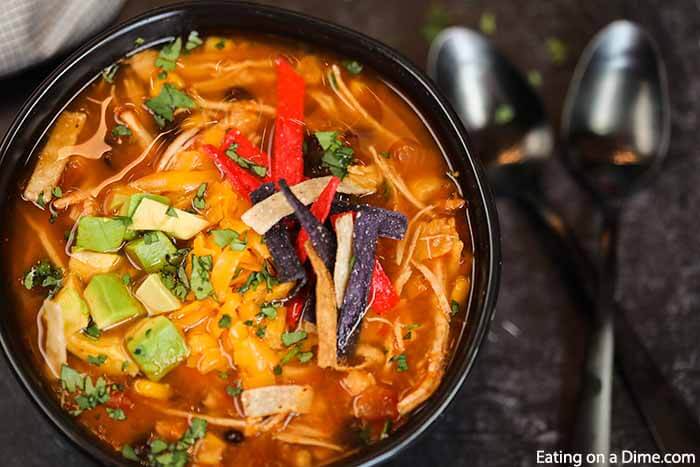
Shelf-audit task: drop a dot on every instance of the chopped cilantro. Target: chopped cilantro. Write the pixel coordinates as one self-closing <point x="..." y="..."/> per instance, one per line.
<point x="258" y="277"/>
<point x="171" y="212"/>
<point x="557" y="50"/>
<point x="229" y="237"/>
<point x="121" y="130"/>
<point x="487" y="23"/>
<point x="199" y="280"/>
<point x="109" y="73"/>
<point x="129" y="453"/>
<point x="353" y="66"/>
<point x="436" y="20"/>
<point x="454" y="307"/>
<point x="277" y="369"/>
<point x="409" y="330"/>
<point x="163" y="106"/>
<point x="336" y="155"/>
<point x="221" y="44"/>
<point x="534" y="77"/>
<point x="97" y="360"/>
<point x="57" y="192"/>
<point x="193" y="41"/>
<point x="116" y="414"/>
<point x="291" y="338"/>
<point x="504" y="114"/>
<point x="269" y="311"/>
<point x="234" y="391"/>
<point x="260" y="331"/>
<point x="43" y="274"/>
<point x="162" y="454"/>
<point x="225" y="321"/>
<point x="385" y="154"/>
<point x="386" y="429"/>
<point x="199" y="202"/>
<point x="401" y="362"/>
<point x="139" y="41"/>
<point x="305" y="357"/>
<point x="93" y="331"/>
<point x="174" y="275"/>
<point x="168" y="55"/>
<point x="231" y="153"/>
<point x="71" y="380"/>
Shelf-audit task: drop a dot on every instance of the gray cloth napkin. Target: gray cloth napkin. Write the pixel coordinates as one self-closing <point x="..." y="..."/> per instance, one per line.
<point x="32" y="31"/>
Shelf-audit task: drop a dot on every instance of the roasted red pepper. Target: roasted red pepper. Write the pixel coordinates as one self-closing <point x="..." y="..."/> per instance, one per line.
<point x="288" y="159"/>
<point x="294" y="309"/>
<point x="382" y="295"/>
<point x="320" y="209"/>
<point x="244" y="148"/>
<point x="243" y="181"/>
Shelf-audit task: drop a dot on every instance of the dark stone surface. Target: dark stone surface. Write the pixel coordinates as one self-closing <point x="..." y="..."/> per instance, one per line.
<point x="521" y="395"/>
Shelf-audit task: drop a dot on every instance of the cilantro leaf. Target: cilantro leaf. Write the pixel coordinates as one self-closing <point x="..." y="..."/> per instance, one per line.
<point x="353" y="67"/>
<point x="193" y="41"/>
<point x="229" y="237"/>
<point x="199" y="280"/>
<point x="163" y="106"/>
<point x="291" y="338"/>
<point x="168" y="55"/>
<point x="121" y="130"/>
<point x="336" y="155"/>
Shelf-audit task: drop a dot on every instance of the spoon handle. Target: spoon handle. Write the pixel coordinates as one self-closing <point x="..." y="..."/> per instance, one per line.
<point x="669" y="420"/>
<point x="592" y="431"/>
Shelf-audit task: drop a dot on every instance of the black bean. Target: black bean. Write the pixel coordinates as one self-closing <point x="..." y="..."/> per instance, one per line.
<point x="234" y="436"/>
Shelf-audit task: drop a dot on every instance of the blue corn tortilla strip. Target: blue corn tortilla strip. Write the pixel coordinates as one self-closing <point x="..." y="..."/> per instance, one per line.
<point x="393" y="223"/>
<point x="284" y="255"/>
<point x="321" y="238"/>
<point x="371" y="222"/>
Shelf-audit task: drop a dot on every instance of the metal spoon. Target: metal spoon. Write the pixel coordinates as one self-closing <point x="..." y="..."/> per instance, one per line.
<point x="615" y="132"/>
<point x="478" y="80"/>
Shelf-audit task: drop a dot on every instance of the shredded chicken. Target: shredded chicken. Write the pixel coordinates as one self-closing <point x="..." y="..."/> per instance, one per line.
<point x="180" y="143"/>
<point x="395" y="179"/>
<point x="405" y="270"/>
<point x="217" y="421"/>
<point x="401" y="245"/>
<point x="143" y="136"/>
<point x="223" y="106"/>
<point x="438" y="237"/>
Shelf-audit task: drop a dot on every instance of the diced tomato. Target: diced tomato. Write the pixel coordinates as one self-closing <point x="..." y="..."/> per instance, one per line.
<point x="288" y="159"/>
<point x="320" y="209"/>
<point x="376" y="403"/>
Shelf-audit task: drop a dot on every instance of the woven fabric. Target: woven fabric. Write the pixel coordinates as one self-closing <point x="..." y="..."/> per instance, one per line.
<point x="32" y="31"/>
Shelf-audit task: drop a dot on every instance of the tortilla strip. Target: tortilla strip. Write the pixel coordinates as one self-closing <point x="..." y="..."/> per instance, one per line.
<point x="341" y="272"/>
<point x="262" y="216"/>
<point x="55" y="255"/>
<point x="49" y="169"/>
<point x="143" y="136"/>
<point x="271" y="400"/>
<point x="53" y="348"/>
<point x="326" y="311"/>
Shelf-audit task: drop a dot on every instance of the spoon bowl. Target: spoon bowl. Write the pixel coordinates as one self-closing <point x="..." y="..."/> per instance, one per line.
<point x="507" y="121"/>
<point x="616" y="122"/>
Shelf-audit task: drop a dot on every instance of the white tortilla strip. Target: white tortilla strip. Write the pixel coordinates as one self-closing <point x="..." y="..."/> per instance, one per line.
<point x="326" y="311"/>
<point x="270" y="211"/>
<point x="52" y="345"/>
<point x="341" y="272"/>
<point x="49" y="169"/>
<point x="271" y="400"/>
<point x="143" y="136"/>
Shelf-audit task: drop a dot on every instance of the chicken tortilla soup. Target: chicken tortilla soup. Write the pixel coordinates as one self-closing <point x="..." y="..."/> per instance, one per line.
<point x="239" y="250"/>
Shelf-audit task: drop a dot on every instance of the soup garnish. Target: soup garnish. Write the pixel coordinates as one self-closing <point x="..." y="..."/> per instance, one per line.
<point x="239" y="251"/>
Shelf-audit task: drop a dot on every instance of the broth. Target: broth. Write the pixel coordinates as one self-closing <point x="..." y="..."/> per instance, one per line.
<point x="163" y="355"/>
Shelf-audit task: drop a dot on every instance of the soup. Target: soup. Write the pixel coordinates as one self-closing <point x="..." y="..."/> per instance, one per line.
<point x="239" y="251"/>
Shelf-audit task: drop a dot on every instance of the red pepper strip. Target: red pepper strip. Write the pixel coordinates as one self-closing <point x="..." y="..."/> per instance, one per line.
<point x="288" y="161"/>
<point x="243" y="181"/>
<point x="320" y="209"/>
<point x="244" y="148"/>
<point x="294" y="308"/>
<point x="382" y="294"/>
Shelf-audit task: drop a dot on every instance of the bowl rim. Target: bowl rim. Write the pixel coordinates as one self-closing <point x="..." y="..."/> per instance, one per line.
<point x="449" y="121"/>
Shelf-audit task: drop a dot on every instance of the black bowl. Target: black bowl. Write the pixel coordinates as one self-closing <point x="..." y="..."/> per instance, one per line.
<point x="158" y="26"/>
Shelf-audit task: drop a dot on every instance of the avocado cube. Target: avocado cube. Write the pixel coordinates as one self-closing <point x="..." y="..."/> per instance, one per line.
<point x="101" y="234"/>
<point x="155" y="296"/>
<point x="152" y="215"/>
<point x="110" y="301"/>
<point x="150" y="251"/>
<point x="129" y="207"/>
<point x="157" y="346"/>
<point x="74" y="310"/>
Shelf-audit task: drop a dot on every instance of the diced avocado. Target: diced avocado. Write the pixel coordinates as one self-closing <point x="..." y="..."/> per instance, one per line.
<point x="129" y="207"/>
<point x="155" y="296"/>
<point x="150" y="251"/>
<point x="74" y="310"/>
<point x="100" y="234"/>
<point x="88" y="263"/>
<point x="157" y="346"/>
<point x="152" y="215"/>
<point x="118" y="361"/>
<point x="110" y="301"/>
